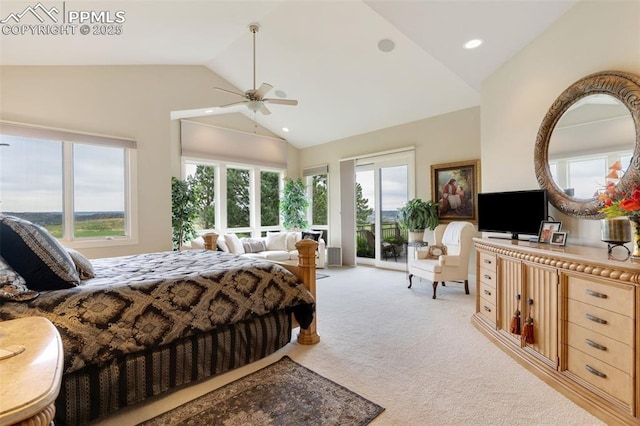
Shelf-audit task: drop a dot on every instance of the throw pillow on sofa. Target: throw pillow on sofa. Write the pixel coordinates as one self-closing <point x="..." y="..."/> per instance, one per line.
<point x="277" y="241"/>
<point x="253" y="245"/>
<point x="235" y="246"/>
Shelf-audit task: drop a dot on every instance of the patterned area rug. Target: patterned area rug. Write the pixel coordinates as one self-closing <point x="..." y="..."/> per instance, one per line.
<point x="283" y="393"/>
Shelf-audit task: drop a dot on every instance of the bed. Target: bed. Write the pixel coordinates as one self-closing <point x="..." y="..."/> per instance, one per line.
<point x="146" y="324"/>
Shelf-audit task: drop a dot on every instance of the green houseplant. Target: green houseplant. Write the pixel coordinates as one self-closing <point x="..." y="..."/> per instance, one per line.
<point x="416" y="216"/>
<point x="294" y="204"/>
<point x="184" y="212"/>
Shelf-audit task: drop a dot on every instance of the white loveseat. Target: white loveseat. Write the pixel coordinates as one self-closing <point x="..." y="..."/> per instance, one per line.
<point x="277" y="246"/>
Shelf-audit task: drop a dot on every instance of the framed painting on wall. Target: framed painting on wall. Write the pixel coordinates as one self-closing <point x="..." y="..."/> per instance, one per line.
<point x="455" y="187"/>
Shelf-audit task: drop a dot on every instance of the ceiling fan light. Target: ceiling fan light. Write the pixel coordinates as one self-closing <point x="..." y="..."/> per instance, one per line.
<point x="253" y="105"/>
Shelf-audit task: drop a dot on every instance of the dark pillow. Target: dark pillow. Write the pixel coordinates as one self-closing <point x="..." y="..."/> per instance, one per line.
<point x="83" y="265"/>
<point x="315" y="236"/>
<point x="36" y="255"/>
<point x="12" y="286"/>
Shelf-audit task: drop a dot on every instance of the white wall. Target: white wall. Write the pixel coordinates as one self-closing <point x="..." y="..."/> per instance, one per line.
<point x="442" y="139"/>
<point x="128" y="101"/>
<point x="592" y="36"/>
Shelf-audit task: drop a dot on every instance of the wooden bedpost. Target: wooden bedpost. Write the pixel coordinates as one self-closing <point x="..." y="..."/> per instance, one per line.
<point x="210" y="241"/>
<point x="307" y="263"/>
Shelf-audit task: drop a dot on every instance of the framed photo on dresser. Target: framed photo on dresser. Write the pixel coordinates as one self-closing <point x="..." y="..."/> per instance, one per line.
<point x="547" y="229"/>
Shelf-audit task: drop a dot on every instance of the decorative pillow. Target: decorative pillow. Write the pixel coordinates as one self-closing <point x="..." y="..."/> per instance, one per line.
<point x="315" y="236"/>
<point x="276" y="240"/>
<point x="292" y="239"/>
<point x="222" y="244"/>
<point x="13" y="288"/>
<point x="253" y="245"/>
<point x="36" y="255"/>
<point x="235" y="246"/>
<point x="83" y="265"/>
<point x="435" y="252"/>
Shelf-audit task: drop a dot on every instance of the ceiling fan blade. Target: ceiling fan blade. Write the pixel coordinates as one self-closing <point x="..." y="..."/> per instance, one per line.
<point x="263" y="109"/>
<point x="231" y="91"/>
<point x="281" y="101"/>
<point x="263" y="90"/>
<point x="233" y="104"/>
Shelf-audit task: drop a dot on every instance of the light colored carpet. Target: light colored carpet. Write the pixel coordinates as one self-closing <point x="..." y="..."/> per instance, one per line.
<point x="420" y="358"/>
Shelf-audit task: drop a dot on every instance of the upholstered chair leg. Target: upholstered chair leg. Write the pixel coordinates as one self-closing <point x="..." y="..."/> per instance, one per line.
<point x="410" y="283"/>
<point x="466" y="286"/>
<point x="435" y="285"/>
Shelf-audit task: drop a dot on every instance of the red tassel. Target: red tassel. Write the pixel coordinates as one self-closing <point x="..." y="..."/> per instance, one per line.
<point x="515" y="322"/>
<point x="527" y="331"/>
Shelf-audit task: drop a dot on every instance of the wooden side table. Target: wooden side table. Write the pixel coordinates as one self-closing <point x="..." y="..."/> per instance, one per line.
<point x="30" y="380"/>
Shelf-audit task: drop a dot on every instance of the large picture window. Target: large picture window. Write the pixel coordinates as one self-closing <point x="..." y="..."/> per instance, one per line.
<point x="250" y="196"/>
<point x="76" y="186"/>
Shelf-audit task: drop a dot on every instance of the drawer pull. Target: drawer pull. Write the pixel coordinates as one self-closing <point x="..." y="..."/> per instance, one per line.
<point x="486" y="308"/>
<point x="487" y="292"/>
<point x="596" y="294"/>
<point x="595" y="372"/>
<point x="487" y="277"/>
<point x="487" y="261"/>
<point x="595" y="345"/>
<point x="595" y="319"/>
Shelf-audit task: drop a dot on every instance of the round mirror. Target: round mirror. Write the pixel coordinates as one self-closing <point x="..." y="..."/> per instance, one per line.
<point x="590" y="136"/>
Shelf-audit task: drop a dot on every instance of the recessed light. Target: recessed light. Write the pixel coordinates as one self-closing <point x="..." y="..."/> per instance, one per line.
<point x="209" y="111"/>
<point x="285" y="129"/>
<point x="472" y="44"/>
<point x="280" y="93"/>
<point x="386" y="45"/>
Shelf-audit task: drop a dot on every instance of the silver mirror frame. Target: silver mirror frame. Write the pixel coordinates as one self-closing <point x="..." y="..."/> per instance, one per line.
<point x="623" y="86"/>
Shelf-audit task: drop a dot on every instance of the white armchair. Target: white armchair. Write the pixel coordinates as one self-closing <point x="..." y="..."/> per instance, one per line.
<point x="457" y="237"/>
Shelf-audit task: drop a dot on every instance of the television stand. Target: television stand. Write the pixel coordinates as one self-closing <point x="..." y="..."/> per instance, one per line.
<point x="514" y="236"/>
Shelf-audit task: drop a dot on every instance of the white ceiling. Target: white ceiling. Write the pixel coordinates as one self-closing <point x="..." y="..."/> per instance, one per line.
<point x="322" y="53"/>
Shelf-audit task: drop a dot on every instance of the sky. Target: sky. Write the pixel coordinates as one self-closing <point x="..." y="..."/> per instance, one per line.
<point x="394" y="187"/>
<point x="31" y="176"/>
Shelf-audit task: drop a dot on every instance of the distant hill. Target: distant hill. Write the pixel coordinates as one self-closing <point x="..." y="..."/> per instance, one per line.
<point x="55" y="218"/>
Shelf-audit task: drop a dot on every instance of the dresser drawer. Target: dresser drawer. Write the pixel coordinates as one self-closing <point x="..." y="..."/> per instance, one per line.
<point x="487" y="261"/>
<point x="607" y="378"/>
<point x="487" y="277"/>
<point x="488" y="309"/>
<point x="601" y="347"/>
<point x="615" y="298"/>
<point x="616" y="326"/>
<point x="487" y="292"/>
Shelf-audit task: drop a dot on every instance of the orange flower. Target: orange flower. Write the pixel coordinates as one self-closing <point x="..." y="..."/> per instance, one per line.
<point x="630" y="205"/>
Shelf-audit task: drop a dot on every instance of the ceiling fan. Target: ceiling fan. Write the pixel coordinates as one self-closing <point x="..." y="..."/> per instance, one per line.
<point x="254" y="98"/>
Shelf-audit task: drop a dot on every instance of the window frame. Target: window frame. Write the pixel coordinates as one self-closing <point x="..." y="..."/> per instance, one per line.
<point x="68" y="140"/>
<point x="255" y="228"/>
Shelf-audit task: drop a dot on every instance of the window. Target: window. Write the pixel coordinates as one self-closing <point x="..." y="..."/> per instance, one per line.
<point x="76" y="186"/>
<point x="583" y="176"/>
<point x="317" y="190"/>
<point x="252" y="196"/>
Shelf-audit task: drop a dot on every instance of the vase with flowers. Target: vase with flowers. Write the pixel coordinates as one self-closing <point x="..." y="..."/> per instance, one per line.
<point x="623" y="200"/>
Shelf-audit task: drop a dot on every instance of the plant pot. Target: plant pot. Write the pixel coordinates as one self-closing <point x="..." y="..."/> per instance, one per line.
<point x="416" y="236"/>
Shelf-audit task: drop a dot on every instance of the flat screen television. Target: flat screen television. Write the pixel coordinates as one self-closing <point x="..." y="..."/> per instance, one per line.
<point x="514" y="212"/>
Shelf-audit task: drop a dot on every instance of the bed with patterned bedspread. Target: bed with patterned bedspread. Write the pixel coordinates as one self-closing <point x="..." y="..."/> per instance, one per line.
<point x="148" y="323"/>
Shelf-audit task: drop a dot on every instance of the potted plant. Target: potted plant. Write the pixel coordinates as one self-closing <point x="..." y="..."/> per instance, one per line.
<point x="184" y="212"/>
<point x="294" y="204"/>
<point x="416" y="216"/>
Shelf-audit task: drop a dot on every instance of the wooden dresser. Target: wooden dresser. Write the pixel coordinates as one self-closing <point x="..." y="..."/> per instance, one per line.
<point x="585" y="308"/>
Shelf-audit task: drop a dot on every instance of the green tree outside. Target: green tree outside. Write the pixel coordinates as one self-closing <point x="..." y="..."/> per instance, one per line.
<point x="238" y="201"/>
<point x="363" y="211"/>
<point x="269" y="198"/>
<point x="204" y="181"/>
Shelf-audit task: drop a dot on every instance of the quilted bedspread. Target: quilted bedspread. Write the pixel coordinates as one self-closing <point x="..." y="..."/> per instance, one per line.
<point x="148" y="300"/>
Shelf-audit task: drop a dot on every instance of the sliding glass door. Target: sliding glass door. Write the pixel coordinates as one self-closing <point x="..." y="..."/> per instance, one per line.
<point x="383" y="185"/>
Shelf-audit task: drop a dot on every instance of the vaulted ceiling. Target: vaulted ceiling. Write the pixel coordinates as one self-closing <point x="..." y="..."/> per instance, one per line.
<point x="325" y="54"/>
